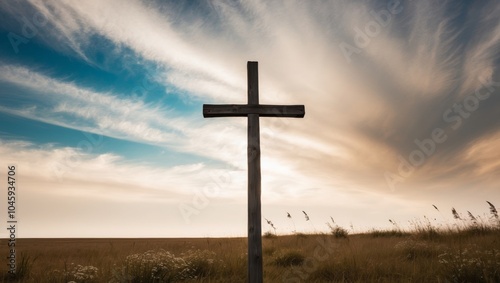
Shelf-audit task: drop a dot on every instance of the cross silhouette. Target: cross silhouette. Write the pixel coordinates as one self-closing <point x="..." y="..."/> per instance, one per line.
<point x="253" y="110"/>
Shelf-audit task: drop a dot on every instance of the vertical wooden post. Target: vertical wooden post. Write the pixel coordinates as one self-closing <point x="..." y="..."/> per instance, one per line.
<point x="254" y="182"/>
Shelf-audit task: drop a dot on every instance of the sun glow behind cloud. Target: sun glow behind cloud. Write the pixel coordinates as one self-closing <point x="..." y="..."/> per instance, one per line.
<point x="364" y="110"/>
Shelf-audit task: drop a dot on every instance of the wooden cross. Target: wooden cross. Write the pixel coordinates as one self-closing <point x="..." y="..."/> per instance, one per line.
<point x="253" y="110"/>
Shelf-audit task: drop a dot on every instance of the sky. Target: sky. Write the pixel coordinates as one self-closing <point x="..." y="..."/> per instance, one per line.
<point x="101" y="113"/>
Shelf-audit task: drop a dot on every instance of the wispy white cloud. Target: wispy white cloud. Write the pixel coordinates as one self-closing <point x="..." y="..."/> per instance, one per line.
<point x="104" y="113"/>
<point x="107" y="175"/>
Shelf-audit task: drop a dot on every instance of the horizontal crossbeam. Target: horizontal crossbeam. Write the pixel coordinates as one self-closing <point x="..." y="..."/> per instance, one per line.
<point x="242" y="110"/>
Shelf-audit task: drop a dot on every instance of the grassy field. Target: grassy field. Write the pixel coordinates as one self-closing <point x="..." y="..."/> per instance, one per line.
<point x="467" y="251"/>
<point x="374" y="257"/>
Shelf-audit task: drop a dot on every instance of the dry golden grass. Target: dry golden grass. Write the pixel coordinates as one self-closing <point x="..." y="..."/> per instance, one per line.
<point x="369" y="257"/>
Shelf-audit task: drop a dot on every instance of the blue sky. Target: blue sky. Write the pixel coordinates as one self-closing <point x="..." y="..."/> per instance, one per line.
<point x="100" y="109"/>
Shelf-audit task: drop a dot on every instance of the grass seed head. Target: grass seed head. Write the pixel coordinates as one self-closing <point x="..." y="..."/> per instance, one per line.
<point x="455" y="213"/>
<point x="306" y="216"/>
<point x="493" y="210"/>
